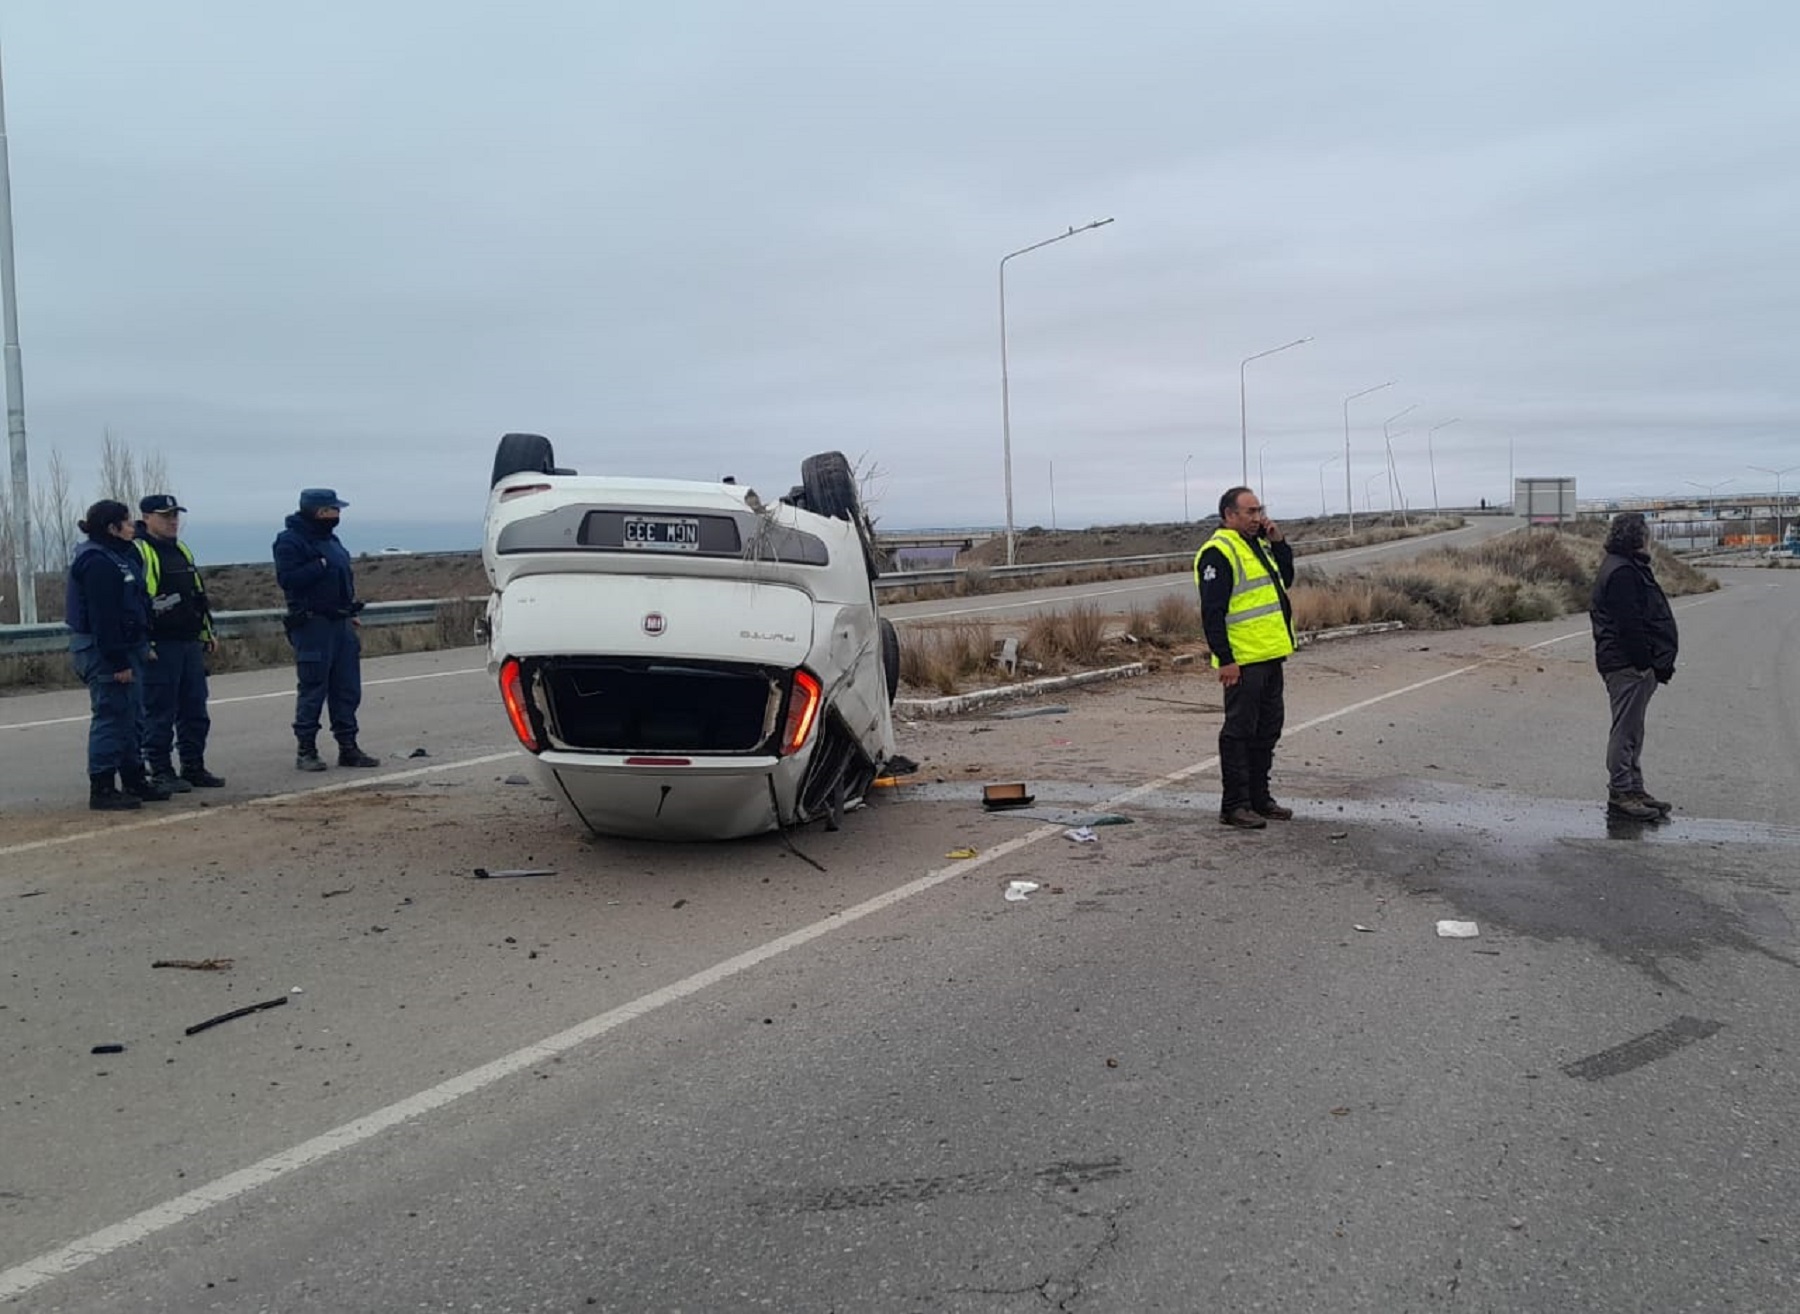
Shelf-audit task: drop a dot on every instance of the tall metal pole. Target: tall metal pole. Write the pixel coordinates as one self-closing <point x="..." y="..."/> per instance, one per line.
<point x="1349" y="496"/>
<point x="1432" y="461"/>
<point x="26" y="576"/>
<point x="1243" y="409"/>
<point x="1322" y="464"/>
<point x="1005" y="383"/>
<point x="1052" y="494"/>
<point x="1780" y="537"/>
<point x="1187" y="517"/>
<point x="1388" y="439"/>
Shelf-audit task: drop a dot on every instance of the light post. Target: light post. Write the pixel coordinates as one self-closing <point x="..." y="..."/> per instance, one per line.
<point x="1779" y="536"/>
<point x="1243" y="410"/>
<point x="1005" y="385"/>
<point x="1186" y="516"/>
<point x="1432" y="460"/>
<point x="1368" y="484"/>
<point x="1053" y="495"/>
<point x="1388" y="439"/>
<point x="15" y="391"/>
<point x="1322" y="464"/>
<point x="1711" y="491"/>
<point x="1349" y="496"/>
<point x="1262" y="477"/>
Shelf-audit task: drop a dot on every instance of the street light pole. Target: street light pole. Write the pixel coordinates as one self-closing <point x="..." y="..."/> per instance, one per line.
<point x="1186" y="515"/>
<point x="1053" y="495"/>
<point x="1432" y="461"/>
<point x="1322" y="464"/>
<point x="1349" y="496"/>
<point x="1368" y="495"/>
<point x="1005" y="383"/>
<point x="1243" y="410"/>
<point x="1779" y="535"/>
<point x="1388" y="439"/>
<point x="24" y="573"/>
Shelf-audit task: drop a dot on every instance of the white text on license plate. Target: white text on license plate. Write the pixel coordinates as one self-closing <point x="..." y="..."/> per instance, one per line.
<point x="662" y="534"/>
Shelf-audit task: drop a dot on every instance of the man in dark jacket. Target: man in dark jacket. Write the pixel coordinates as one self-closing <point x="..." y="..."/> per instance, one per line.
<point x="1243" y="573"/>
<point x="1635" y="646"/>
<point x="181" y="636"/>
<point x="315" y="575"/>
<point x="108" y="614"/>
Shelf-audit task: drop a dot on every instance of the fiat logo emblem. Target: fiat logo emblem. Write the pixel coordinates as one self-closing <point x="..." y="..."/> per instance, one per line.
<point x="654" y="624"/>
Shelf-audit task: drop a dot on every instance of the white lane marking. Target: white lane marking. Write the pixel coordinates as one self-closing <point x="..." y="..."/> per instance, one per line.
<point x="52" y="1264"/>
<point x="254" y="698"/>
<point x="187" y="816"/>
<point x="43" y="1268"/>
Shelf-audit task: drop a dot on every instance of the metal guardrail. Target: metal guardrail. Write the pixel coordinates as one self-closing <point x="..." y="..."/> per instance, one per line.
<point x="27" y="640"/>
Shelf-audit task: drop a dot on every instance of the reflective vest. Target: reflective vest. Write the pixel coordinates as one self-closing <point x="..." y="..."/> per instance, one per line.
<point x="152" y="560"/>
<point x="1254" y="623"/>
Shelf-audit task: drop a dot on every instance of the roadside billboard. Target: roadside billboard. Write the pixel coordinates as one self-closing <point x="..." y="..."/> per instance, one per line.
<point x="1544" y="501"/>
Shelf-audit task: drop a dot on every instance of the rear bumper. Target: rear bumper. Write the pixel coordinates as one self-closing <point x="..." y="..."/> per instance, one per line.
<point x="707" y="799"/>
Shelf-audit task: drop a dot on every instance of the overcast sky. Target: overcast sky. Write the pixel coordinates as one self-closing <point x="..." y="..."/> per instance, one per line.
<point x="351" y="244"/>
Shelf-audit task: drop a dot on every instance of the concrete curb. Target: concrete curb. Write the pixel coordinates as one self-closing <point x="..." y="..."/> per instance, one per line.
<point x="956" y="704"/>
<point x="1347" y="632"/>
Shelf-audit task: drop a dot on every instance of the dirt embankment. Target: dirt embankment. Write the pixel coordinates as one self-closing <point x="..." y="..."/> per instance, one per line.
<point x="378" y="579"/>
<point x="410" y="578"/>
<point x="1040" y="546"/>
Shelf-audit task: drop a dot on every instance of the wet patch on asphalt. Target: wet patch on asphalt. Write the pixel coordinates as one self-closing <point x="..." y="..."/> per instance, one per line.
<point x="1554" y="869"/>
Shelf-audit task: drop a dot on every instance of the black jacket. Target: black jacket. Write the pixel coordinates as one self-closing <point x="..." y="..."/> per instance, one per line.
<point x="1216" y="581"/>
<point x="180" y="609"/>
<point x="1634" y="626"/>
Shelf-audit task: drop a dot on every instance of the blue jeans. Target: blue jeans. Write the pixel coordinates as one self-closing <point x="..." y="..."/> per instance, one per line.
<point x="175" y="703"/>
<point x="328" y="664"/>
<point x="116" y="729"/>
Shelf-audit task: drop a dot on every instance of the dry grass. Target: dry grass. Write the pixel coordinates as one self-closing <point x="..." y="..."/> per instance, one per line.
<point x="1177" y="619"/>
<point x="940" y="657"/>
<point x="1535" y="575"/>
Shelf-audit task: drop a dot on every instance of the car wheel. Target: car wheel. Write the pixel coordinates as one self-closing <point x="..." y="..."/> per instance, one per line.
<point x="522" y="453"/>
<point x="890" y="658"/>
<point x="829" y="485"/>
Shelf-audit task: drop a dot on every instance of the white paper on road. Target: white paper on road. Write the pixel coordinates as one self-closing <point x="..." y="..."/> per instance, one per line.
<point x="1458" y="930"/>
<point x="1019" y="891"/>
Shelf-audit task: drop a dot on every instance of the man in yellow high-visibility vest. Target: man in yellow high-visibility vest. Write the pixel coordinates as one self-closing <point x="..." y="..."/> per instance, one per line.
<point x="1243" y="572"/>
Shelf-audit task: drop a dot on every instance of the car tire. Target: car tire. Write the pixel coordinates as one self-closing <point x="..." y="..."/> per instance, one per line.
<point x="522" y="453"/>
<point x="890" y="658"/>
<point x="829" y="485"/>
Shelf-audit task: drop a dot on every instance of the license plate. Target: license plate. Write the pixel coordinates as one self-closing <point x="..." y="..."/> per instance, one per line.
<point x="662" y="534"/>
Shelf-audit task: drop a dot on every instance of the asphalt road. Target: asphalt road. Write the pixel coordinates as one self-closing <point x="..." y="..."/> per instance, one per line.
<point x="1176" y="1076"/>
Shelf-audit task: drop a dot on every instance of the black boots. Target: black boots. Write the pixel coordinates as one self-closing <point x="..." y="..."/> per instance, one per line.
<point x="164" y="777"/>
<point x="104" y="794"/>
<point x="349" y="755"/>
<point x="196" y="774"/>
<point x="138" y="784"/>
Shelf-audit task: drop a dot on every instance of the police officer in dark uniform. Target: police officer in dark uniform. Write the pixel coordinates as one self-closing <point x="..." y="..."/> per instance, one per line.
<point x="315" y="575"/>
<point x="181" y="636"/>
<point x="107" y="611"/>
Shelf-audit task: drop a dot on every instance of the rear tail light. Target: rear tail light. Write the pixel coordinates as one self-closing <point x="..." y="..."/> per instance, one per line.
<point x="520" y="490"/>
<point x="803" y="710"/>
<point x="512" y="693"/>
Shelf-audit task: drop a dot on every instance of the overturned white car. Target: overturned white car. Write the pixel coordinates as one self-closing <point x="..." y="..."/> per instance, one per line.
<point x="682" y="660"/>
